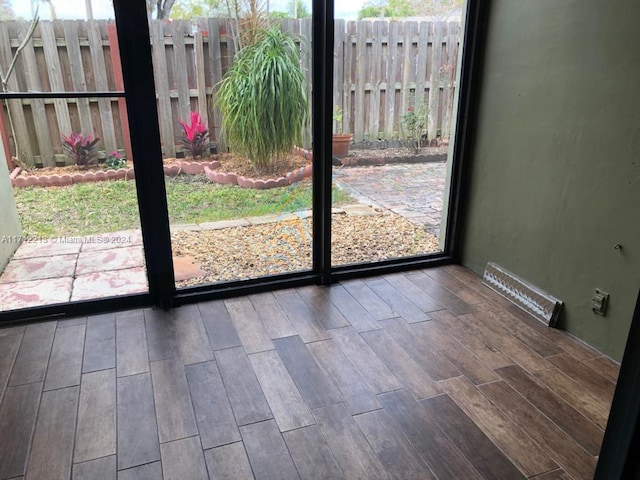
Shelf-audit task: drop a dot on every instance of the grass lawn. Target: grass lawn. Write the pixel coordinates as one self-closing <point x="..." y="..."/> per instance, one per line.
<point x="101" y="207"/>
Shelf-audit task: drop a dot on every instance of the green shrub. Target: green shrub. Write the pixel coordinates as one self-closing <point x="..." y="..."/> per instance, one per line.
<point x="263" y="99"/>
<point x="414" y="124"/>
<point x="114" y="161"/>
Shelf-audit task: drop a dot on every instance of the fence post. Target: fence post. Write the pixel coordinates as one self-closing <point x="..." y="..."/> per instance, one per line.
<point x="5" y="139"/>
<point x="215" y="57"/>
<point x="117" y="73"/>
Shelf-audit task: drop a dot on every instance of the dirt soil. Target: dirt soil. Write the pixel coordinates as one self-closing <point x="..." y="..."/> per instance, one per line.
<point x="229" y="163"/>
<point x="68" y="170"/>
<point x="248" y="252"/>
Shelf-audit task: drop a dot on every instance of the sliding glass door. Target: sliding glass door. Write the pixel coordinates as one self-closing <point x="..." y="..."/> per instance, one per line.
<point x="394" y="87"/>
<point x="234" y="110"/>
<point x="69" y="227"/>
<point x="205" y="158"/>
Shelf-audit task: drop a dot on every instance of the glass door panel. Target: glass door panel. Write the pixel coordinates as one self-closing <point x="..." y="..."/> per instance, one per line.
<point x="69" y="227"/>
<point x="234" y="107"/>
<point x="394" y="104"/>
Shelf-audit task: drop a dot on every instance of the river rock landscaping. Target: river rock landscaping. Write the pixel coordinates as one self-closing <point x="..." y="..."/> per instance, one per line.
<point x="285" y="245"/>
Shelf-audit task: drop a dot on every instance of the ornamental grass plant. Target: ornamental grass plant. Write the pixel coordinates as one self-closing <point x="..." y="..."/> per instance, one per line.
<point x="263" y="99"/>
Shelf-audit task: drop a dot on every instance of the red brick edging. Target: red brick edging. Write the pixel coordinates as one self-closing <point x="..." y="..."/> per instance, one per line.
<point x="245" y="182"/>
<point x="67" y="179"/>
<point x="187" y="168"/>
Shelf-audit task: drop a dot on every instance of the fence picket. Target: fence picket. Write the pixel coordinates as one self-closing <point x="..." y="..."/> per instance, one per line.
<point x="37" y="105"/>
<point x="390" y="91"/>
<point x="421" y="70"/>
<point x="305" y="41"/>
<point x="376" y="79"/>
<point x="348" y="107"/>
<point x="452" y="61"/>
<point x="178" y="31"/>
<point x="15" y="109"/>
<point x="200" y="75"/>
<point x="77" y="74"/>
<point x="165" y="117"/>
<point x="434" y="80"/>
<point x="361" y="78"/>
<point x="56" y="81"/>
<point x="100" y="74"/>
<point x="215" y="57"/>
<point x="339" y="40"/>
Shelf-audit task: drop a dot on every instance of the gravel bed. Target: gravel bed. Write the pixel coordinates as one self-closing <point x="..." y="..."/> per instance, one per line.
<point x="247" y="252"/>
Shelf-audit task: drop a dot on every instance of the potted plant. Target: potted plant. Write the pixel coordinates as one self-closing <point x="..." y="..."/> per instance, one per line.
<point x="341" y="141"/>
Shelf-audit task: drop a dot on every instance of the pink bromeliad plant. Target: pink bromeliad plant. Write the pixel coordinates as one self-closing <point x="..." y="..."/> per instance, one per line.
<point x="81" y="148"/>
<point x="195" y="135"/>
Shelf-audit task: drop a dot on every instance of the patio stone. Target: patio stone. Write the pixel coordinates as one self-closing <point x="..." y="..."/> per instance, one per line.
<point x="239" y="222"/>
<point x="39" y="268"/>
<point x="185" y="227"/>
<point x="110" y="284"/>
<point x="185" y="268"/>
<point x="35" y="293"/>
<point x="48" y="247"/>
<point x="104" y="241"/>
<point x="281" y="217"/>
<point x="359" y="210"/>
<point x="112" y="259"/>
<point x="304" y="214"/>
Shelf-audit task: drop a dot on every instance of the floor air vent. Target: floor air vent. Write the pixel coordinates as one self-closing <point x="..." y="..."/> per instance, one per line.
<point x="529" y="298"/>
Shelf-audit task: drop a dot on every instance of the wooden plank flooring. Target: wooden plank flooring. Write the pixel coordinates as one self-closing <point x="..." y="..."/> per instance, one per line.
<point x="424" y="374"/>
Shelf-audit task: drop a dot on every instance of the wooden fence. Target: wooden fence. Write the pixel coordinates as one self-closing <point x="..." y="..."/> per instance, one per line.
<point x="381" y="69"/>
<point x="389" y="67"/>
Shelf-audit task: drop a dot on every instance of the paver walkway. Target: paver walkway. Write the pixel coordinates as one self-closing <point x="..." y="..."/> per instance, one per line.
<point x="414" y="191"/>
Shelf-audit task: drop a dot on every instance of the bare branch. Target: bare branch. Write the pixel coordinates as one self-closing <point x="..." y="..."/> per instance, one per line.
<point x="32" y="27"/>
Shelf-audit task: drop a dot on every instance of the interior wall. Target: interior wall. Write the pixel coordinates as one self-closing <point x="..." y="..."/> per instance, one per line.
<point x="555" y="175"/>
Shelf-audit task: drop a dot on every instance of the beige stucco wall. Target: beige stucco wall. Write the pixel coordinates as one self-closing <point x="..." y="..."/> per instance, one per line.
<point x="9" y="220"/>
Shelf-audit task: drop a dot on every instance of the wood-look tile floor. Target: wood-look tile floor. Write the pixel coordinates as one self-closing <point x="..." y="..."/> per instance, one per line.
<point x="419" y="375"/>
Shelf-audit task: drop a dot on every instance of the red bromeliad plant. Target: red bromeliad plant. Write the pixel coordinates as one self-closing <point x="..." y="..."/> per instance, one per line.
<point x="81" y="148"/>
<point x="195" y="135"/>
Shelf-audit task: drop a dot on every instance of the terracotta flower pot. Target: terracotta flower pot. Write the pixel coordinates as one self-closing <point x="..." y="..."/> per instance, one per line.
<point x="340" y="145"/>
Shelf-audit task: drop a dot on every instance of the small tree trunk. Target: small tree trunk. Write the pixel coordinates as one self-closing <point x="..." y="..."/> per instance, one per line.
<point x="163" y="8"/>
<point x="89" y="8"/>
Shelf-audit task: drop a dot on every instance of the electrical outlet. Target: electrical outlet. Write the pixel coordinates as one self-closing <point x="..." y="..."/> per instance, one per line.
<point x="599" y="302"/>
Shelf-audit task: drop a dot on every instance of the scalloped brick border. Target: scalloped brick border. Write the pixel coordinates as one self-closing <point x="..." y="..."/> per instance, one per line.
<point x="187" y="168"/>
<point x="230" y="178"/>
<point x="67" y="179"/>
<point x="246" y="182"/>
<point x="184" y="167"/>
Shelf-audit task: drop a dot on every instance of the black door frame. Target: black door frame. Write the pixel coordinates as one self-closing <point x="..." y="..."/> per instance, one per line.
<point x="618" y="458"/>
<point x="137" y="67"/>
<point x="139" y="85"/>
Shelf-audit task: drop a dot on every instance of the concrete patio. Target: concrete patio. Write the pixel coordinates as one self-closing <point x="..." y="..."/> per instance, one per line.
<point x="58" y="270"/>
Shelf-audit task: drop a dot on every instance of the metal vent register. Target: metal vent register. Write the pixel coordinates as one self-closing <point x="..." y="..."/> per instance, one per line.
<point x="529" y="298"/>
